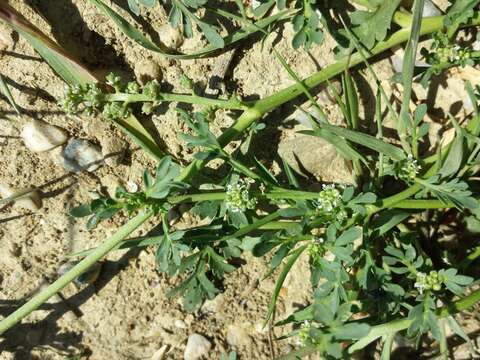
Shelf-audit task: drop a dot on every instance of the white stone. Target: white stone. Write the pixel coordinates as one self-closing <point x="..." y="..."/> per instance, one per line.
<point x="170" y="37"/>
<point x="31" y="201"/>
<point x="79" y="155"/>
<point x="180" y="324"/>
<point x="197" y="346"/>
<point x="131" y="186"/>
<point x="39" y="136"/>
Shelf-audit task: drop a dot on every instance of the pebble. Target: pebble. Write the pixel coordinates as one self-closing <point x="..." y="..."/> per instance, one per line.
<point x="79" y="155"/>
<point x="197" y="346"/>
<point x="113" y="150"/>
<point x="131" y="186"/>
<point x="147" y="70"/>
<point x="31" y="201"/>
<point x="39" y="136"/>
<point x="170" y="37"/>
<point x="430" y="9"/>
<point x="180" y="324"/>
<point x="302" y="153"/>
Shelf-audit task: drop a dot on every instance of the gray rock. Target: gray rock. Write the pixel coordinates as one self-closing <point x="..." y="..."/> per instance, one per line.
<point x="79" y="155"/>
<point x="430" y="9"/>
<point x="312" y="155"/>
<point x="197" y="346"/>
<point x="39" y="136"/>
<point x="326" y="97"/>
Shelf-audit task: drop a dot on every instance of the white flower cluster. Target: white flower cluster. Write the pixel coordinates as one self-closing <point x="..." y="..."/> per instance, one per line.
<point x="238" y="197"/>
<point x="316" y="249"/>
<point x="304" y="333"/>
<point x="409" y="169"/>
<point x="432" y="281"/>
<point x="329" y="198"/>
<point x="453" y="54"/>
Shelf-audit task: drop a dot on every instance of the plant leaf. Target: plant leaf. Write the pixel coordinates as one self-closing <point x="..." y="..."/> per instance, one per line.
<point x="281" y="278"/>
<point x="68" y="68"/>
<point x="373" y="26"/>
<point x="6" y="92"/>
<point x="135" y="35"/>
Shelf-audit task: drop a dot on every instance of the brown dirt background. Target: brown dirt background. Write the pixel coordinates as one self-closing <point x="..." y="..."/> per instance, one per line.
<point x="125" y="314"/>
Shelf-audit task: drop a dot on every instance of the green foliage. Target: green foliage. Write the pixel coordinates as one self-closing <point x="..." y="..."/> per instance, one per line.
<point x="182" y="15"/>
<point x="459" y="13"/>
<point x="307" y="25"/>
<point x="134" y="5"/>
<point x="372" y="26"/>
<point x="164" y="184"/>
<point x="5" y="91"/>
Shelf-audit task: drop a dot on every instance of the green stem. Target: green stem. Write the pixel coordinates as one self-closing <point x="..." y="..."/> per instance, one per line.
<point x="233" y="103"/>
<point x="402" y="324"/>
<point x="219" y="196"/>
<point x="76" y="271"/>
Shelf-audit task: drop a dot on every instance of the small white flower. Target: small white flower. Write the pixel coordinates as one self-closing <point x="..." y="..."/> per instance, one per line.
<point x="329" y="198"/>
<point x="420" y="283"/>
<point x="409" y="169"/>
<point x="238" y="197"/>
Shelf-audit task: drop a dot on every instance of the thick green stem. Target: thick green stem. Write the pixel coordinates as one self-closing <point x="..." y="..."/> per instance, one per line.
<point x="76" y="271"/>
<point x="233" y="103"/>
<point x="402" y="324"/>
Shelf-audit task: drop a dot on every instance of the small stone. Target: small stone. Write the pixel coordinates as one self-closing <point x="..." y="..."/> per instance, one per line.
<point x="180" y="324"/>
<point x="113" y="150"/>
<point x="430" y="9"/>
<point x="32" y="199"/>
<point x="197" y="346"/>
<point x="170" y="36"/>
<point x="303" y="152"/>
<point x="39" y="136"/>
<point x="237" y="336"/>
<point x="148" y="70"/>
<point x="79" y="155"/>
<point x="131" y="186"/>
